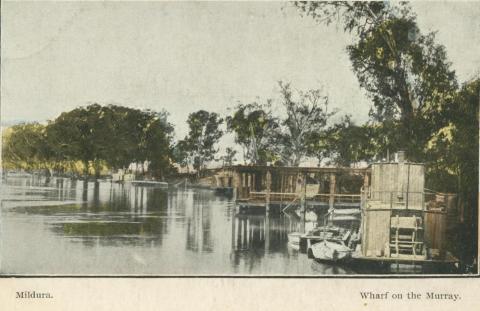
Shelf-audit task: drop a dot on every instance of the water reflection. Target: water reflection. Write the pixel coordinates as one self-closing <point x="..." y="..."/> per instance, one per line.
<point x="198" y="231"/>
<point x="259" y="232"/>
<point x="60" y="225"/>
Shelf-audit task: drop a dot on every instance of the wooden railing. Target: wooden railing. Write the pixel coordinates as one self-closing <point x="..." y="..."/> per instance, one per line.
<point x="428" y="200"/>
<point x="289" y="196"/>
<point x="274" y="196"/>
<point x="337" y="198"/>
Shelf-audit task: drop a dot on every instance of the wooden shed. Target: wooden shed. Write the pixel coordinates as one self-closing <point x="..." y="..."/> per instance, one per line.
<point x="392" y="222"/>
<point x="400" y="220"/>
<point x="398" y="184"/>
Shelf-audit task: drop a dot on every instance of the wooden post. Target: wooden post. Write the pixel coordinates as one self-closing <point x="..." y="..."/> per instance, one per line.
<point x="365" y="190"/>
<point x="237" y="184"/>
<point x="248" y="233"/>
<point x="267" y="196"/>
<point x="249" y="181"/>
<point x="293" y="182"/>
<point x="364" y="234"/>
<point x="234" y="233"/>
<point x="303" y="198"/>
<point x="266" y="234"/>
<point x="365" y="182"/>
<point x="303" y="194"/>
<point x="254" y="186"/>
<point x="331" y="200"/>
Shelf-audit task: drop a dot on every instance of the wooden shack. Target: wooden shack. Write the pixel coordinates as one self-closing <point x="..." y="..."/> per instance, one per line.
<point x="398" y="219"/>
<point x="398" y="185"/>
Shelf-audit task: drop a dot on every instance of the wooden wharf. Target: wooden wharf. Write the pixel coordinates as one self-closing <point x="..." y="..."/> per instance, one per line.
<point x="395" y="219"/>
<point x="262" y="189"/>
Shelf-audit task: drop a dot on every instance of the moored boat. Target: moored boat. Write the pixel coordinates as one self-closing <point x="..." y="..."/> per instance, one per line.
<point x="294" y="240"/>
<point x="151" y="183"/>
<point x="334" y="250"/>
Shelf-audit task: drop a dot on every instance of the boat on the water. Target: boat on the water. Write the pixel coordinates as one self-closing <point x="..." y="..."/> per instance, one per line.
<point x="330" y="233"/>
<point x="122" y="177"/>
<point x="151" y="183"/>
<point x="334" y="250"/>
<point x="17" y="174"/>
<point x="294" y="240"/>
<point x="294" y="237"/>
<point x="328" y="243"/>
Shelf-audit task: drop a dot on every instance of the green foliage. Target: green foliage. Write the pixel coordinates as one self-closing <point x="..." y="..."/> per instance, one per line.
<point x="229" y="157"/>
<point x="286" y="139"/>
<point x="23" y="146"/>
<point x="204" y="133"/>
<point x="181" y="154"/>
<point x="158" y="143"/>
<point x="254" y="128"/>
<point x="306" y="117"/>
<point x="347" y="143"/>
<point x="405" y="73"/>
<point x="455" y="146"/>
<point x="97" y="136"/>
<point x="81" y="135"/>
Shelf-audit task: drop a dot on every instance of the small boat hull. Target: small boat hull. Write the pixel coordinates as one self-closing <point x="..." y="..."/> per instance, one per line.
<point x="330" y="251"/>
<point x="324" y="233"/>
<point x="294" y="237"/>
<point x="294" y="240"/>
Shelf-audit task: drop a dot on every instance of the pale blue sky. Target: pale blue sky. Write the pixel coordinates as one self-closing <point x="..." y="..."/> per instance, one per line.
<point x="188" y="56"/>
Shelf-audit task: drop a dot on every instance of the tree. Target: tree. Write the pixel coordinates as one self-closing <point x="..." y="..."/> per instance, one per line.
<point x="405" y="73"/>
<point x="254" y="127"/>
<point x="306" y="116"/>
<point x="76" y="134"/>
<point x="158" y="143"/>
<point x="455" y="148"/>
<point x="182" y="154"/>
<point x="24" y="146"/>
<point x="348" y="143"/>
<point x="112" y="135"/>
<point x="229" y="157"/>
<point x="204" y="133"/>
<point x="127" y="145"/>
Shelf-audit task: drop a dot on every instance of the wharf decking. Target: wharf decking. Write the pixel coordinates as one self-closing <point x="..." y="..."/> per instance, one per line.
<point x="265" y="188"/>
<point x="408" y="259"/>
<point x="284" y="201"/>
<point x="396" y="218"/>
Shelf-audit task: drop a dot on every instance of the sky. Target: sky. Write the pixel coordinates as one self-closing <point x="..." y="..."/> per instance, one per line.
<point x="187" y="56"/>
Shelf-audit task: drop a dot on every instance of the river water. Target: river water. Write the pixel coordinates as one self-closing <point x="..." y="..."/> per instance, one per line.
<point x="59" y="226"/>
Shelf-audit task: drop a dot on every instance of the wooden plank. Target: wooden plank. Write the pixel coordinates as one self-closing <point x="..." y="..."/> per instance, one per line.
<point x="293" y="169"/>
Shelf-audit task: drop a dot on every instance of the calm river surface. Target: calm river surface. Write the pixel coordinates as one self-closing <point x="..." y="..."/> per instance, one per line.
<point x="67" y="227"/>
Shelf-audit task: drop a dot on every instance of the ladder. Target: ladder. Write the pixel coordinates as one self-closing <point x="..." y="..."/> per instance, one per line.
<point x="406" y="237"/>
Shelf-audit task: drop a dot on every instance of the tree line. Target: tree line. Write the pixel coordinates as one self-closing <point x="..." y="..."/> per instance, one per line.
<point x="91" y="138"/>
